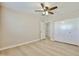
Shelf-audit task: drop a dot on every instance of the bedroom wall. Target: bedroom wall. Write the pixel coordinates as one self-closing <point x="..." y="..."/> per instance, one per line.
<point x="19" y="28"/>
<point x="0" y="24"/>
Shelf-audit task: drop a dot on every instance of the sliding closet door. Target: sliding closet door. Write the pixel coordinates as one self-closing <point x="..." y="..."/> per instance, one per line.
<point x="62" y="31"/>
<point x="67" y="31"/>
<point x="76" y="37"/>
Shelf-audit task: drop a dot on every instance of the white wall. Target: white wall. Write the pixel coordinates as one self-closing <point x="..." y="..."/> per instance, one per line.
<point x="19" y="28"/>
<point x="0" y="24"/>
<point x="67" y="31"/>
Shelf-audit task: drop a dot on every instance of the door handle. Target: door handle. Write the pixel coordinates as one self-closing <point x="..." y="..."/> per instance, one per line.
<point x="69" y="32"/>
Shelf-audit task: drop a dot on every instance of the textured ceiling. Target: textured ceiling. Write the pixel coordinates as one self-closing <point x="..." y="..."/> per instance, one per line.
<point x="65" y="9"/>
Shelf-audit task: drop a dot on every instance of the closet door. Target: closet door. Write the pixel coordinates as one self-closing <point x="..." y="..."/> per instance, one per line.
<point x="76" y="35"/>
<point x="67" y="31"/>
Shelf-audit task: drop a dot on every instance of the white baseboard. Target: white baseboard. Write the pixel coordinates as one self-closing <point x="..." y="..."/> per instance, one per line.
<point x="12" y="46"/>
<point x="52" y="39"/>
<point x="65" y="42"/>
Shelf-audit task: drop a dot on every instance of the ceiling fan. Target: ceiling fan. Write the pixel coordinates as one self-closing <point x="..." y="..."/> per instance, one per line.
<point x="46" y="10"/>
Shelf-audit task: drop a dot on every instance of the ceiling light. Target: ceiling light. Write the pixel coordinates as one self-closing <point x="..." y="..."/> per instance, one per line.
<point x="46" y="12"/>
<point x="43" y="13"/>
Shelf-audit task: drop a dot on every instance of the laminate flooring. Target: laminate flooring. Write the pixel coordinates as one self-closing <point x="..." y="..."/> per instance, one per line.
<point x="43" y="48"/>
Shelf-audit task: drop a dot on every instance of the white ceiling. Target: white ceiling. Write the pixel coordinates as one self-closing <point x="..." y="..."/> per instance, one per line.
<point x="65" y="9"/>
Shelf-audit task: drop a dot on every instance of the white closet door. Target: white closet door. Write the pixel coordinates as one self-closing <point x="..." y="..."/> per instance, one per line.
<point x="67" y="31"/>
<point x="76" y="35"/>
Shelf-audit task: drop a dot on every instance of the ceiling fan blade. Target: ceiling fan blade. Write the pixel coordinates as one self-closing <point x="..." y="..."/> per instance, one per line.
<point x="46" y="8"/>
<point x="53" y="8"/>
<point x="39" y="11"/>
<point x="50" y="12"/>
<point x="42" y="5"/>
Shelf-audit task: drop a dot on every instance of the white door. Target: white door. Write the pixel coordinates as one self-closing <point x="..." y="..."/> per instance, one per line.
<point x="67" y="31"/>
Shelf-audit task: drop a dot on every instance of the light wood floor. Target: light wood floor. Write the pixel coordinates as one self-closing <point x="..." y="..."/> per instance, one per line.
<point x="43" y="48"/>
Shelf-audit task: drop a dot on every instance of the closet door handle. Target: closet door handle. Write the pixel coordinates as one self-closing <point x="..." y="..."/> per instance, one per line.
<point x="69" y="32"/>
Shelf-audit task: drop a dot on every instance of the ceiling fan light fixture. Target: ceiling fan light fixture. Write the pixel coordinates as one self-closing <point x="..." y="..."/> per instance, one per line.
<point x="41" y="9"/>
<point x="46" y="12"/>
<point x="43" y="13"/>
